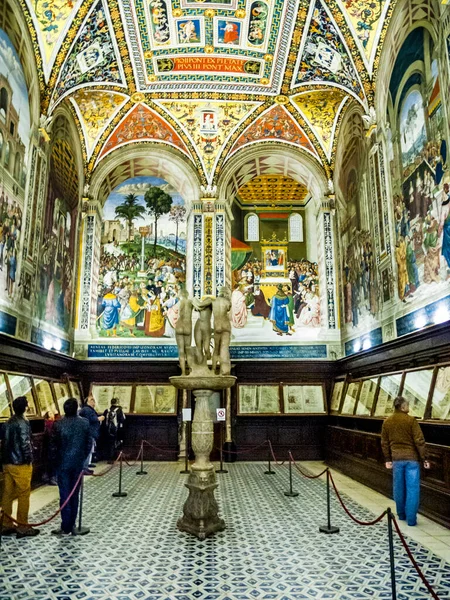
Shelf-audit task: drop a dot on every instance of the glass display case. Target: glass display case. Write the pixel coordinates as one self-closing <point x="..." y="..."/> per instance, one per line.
<point x="416" y="389"/>
<point x="367" y="396"/>
<point x="440" y="404"/>
<point x="303" y="399"/>
<point x="44" y="396"/>
<point x="75" y="390"/>
<point x="103" y="395"/>
<point x="389" y="388"/>
<point x="155" y="399"/>
<point x="62" y="393"/>
<point x="5" y="408"/>
<point x="336" y="396"/>
<point x="350" y="398"/>
<point x="259" y="399"/>
<point x="21" y="385"/>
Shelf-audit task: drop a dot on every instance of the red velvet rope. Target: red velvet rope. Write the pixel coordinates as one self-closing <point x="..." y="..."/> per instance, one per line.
<point x="106" y="471"/>
<point x="50" y="518"/>
<point x="273" y="455"/>
<point x="304" y="474"/>
<point x="374" y="522"/>
<point x="156" y="447"/>
<point x="241" y="451"/>
<point x="136" y="460"/>
<point x="413" y="560"/>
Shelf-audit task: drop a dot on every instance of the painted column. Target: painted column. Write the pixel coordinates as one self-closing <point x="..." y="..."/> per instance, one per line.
<point x="328" y="279"/>
<point x="209" y="230"/>
<point x="90" y="235"/>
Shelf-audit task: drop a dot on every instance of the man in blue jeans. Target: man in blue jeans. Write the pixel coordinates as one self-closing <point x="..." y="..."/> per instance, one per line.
<point x="70" y="444"/>
<point x="403" y="447"/>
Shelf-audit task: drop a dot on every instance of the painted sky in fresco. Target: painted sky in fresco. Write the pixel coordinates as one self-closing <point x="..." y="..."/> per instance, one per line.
<point x="11" y="68"/>
<point x="138" y="186"/>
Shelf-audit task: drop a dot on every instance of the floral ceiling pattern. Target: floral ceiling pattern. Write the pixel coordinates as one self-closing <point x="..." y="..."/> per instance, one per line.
<point x="207" y="77"/>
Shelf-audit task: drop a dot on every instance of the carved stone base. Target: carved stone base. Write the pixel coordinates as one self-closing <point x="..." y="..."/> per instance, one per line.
<point x="200" y="510"/>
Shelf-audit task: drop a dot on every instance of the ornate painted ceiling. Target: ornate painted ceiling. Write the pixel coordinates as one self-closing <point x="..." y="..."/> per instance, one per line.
<point x="207" y="77"/>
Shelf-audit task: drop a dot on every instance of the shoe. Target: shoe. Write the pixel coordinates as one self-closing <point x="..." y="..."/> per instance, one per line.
<point x="53" y="482"/>
<point x="30" y="532"/>
<point x="60" y="532"/>
<point x="92" y="466"/>
<point x="9" y="531"/>
<point x="88" y="472"/>
<point x="401" y="517"/>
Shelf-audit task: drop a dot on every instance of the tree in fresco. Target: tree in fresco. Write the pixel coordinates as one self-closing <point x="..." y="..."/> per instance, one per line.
<point x="177" y="216"/>
<point x="158" y="203"/>
<point x="129" y="211"/>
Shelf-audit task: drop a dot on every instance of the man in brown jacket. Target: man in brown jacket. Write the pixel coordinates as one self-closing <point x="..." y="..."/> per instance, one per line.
<point x="403" y="447"/>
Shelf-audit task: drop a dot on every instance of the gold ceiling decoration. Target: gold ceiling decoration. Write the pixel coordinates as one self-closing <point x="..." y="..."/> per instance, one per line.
<point x="273" y="191"/>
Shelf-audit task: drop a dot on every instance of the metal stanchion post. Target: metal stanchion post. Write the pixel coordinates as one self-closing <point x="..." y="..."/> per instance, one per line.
<point x="141" y="471"/>
<point x="221" y="470"/>
<point x="328" y="528"/>
<point x="391" y="553"/>
<point x="290" y="493"/>
<point x="269" y="456"/>
<point x="120" y="494"/>
<point x="187" y="436"/>
<point x="80" y="530"/>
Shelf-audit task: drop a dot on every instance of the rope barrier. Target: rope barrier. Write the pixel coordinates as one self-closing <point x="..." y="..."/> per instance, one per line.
<point x="135" y="462"/>
<point x="413" y="560"/>
<point x="11" y="518"/>
<point x="156" y="448"/>
<point x="366" y="523"/>
<point x="273" y="455"/>
<point x="247" y="451"/>
<point x="304" y="474"/>
<point x="108" y="469"/>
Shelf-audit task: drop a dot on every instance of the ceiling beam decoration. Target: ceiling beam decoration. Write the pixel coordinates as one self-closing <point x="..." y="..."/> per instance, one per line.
<point x="141" y="124"/>
<point x="209" y="124"/>
<point x="273" y="191"/>
<point x="324" y="56"/>
<point x="95" y="110"/>
<point x="93" y="58"/>
<point x="321" y="110"/>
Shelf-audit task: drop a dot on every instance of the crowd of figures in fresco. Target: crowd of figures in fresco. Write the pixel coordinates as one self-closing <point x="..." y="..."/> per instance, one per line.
<point x="360" y="289"/>
<point x="293" y="304"/>
<point x="10" y="228"/>
<point x="139" y="303"/>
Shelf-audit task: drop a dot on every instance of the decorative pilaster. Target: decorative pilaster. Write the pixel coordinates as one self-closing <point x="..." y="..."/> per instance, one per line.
<point x="328" y="280"/>
<point x="90" y="235"/>
<point x="210" y="229"/>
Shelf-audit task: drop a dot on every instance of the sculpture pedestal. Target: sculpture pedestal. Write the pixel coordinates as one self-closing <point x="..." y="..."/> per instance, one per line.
<point x="200" y="511"/>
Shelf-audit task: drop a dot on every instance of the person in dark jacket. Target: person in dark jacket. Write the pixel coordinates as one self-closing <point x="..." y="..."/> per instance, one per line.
<point x="71" y="443"/>
<point x="17" y="458"/>
<point x="88" y="412"/>
<point x="114" y="421"/>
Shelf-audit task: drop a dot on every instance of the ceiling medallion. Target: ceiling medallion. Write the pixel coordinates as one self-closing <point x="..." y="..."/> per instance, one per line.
<point x="264" y="81"/>
<point x="281" y="99"/>
<point x="152" y="78"/>
<point x="209" y="49"/>
<point x="137" y="97"/>
<point x="148" y="54"/>
<point x="210" y="13"/>
<point x="268" y="57"/>
<point x="177" y="12"/>
<point x="240" y="13"/>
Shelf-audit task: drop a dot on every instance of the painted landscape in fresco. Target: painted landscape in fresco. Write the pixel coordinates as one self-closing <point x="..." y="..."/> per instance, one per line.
<point x="14" y="142"/>
<point x="275" y="308"/>
<point x="142" y="263"/>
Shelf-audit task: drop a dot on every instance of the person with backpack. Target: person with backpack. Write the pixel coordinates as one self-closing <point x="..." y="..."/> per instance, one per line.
<point x="114" y="422"/>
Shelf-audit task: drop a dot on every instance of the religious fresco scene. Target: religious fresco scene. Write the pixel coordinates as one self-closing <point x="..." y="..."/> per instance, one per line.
<point x="321" y="199"/>
<point x="14" y="144"/>
<point x="142" y="260"/>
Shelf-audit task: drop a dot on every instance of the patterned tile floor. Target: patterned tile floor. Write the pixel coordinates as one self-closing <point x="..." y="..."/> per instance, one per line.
<point x="271" y="549"/>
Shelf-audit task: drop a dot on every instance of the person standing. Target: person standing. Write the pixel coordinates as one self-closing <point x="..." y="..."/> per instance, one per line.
<point x="114" y="421"/>
<point x="71" y="443"/>
<point x="88" y="412"/>
<point x="17" y="458"/>
<point x="403" y="447"/>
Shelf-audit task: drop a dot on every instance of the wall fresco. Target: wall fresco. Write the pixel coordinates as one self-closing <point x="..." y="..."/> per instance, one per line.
<point x="141" y="273"/>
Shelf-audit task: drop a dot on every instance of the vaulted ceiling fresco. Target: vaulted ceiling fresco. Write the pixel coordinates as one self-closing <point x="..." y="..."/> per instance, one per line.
<point x="207" y="77"/>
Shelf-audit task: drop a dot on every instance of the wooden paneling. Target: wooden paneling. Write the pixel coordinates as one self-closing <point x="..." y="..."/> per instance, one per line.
<point x="358" y="454"/>
<point x="160" y="432"/>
